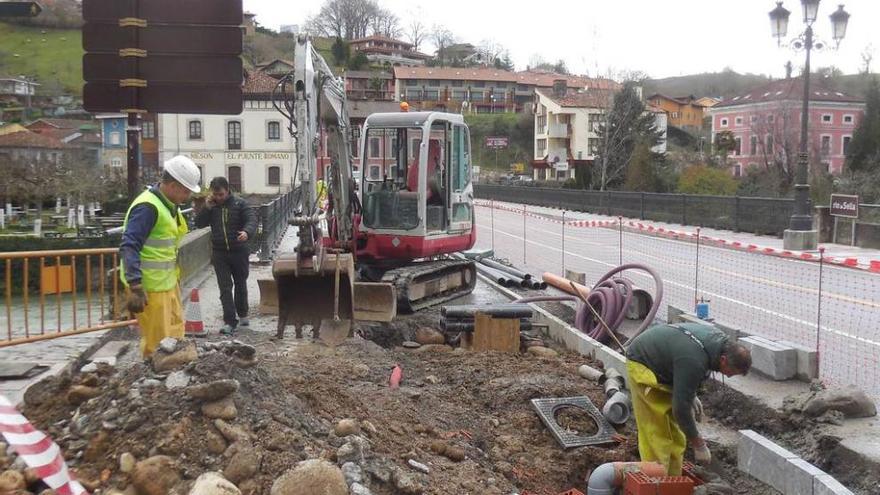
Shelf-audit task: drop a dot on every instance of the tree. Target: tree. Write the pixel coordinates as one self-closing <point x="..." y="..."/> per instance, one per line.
<point x="504" y="63"/>
<point x="358" y="62"/>
<point x="385" y="23"/>
<point x="416" y="33"/>
<point x="623" y="125"/>
<point x="701" y="179"/>
<point x="346" y="19"/>
<point x="341" y="51"/>
<point x="442" y="38"/>
<point x="864" y="150"/>
<point x="641" y="175"/>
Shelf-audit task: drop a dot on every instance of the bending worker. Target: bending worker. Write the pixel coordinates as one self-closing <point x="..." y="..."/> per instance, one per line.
<point x="152" y="231"/>
<point x="666" y="365"/>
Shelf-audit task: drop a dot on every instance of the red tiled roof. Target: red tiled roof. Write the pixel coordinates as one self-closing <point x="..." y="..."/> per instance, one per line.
<point x="30" y="140"/>
<point x="591" y="98"/>
<point x="64" y="123"/>
<point x="788" y="89"/>
<point x="258" y="82"/>
<point x="540" y="79"/>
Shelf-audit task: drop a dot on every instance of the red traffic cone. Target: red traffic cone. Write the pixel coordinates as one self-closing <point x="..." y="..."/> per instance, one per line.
<point x="194" y="326"/>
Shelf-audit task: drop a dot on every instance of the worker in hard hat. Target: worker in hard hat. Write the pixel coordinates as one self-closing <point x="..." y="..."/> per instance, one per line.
<point x="152" y="231"/>
<point x="666" y="365"/>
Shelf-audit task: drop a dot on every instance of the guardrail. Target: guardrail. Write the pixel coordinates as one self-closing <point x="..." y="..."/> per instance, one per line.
<point x="737" y="213"/>
<point x="79" y="286"/>
<point x="273" y="217"/>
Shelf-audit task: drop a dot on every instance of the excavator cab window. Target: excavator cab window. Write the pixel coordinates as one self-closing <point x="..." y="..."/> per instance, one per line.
<point x="389" y="201"/>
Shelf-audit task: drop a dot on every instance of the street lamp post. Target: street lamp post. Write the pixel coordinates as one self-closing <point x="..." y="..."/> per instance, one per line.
<point x="800" y="235"/>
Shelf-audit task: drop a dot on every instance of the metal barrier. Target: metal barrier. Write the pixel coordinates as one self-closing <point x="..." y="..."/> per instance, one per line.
<point x="83" y="294"/>
<point x="273" y="222"/>
<point x="746" y="214"/>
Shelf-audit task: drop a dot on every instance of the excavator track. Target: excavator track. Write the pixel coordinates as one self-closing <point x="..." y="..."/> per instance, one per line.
<point x="428" y="283"/>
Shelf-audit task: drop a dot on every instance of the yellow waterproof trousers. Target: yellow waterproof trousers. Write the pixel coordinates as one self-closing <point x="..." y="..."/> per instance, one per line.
<point x="660" y="438"/>
<point x="162" y="317"/>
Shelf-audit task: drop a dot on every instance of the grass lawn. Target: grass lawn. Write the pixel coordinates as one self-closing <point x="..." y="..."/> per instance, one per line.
<point x="52" y="56"/>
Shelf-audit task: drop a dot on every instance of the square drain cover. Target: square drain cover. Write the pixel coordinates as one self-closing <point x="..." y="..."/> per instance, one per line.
<point x="547" y="409"/>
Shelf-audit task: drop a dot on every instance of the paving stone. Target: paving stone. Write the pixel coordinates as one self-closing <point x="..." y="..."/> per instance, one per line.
<point x="807" y="361"/>
<point x="764" y="460"/>
<point x="774" y="360"/>
<point x="800" y="480"/>
<point x="826" y="485"/>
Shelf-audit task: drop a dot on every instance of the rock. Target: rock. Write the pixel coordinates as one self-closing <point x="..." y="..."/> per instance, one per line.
<point x="429" y="336"/>
<point x="127" y="462"/>
<point x="178" y="379"/>
<point x="543" y="352"/>
<point x="163" y="362"/>
<point x="213" y="484"/>
<point x="214" y="390"/>
<point x="81" y="393"/>
<point x="214" y="443"/>
<point x="97" y="446"/>
<point x="831" y="418"/>
<point x="410" y="344"/>
<point x="455" y="454"/>
<point x="352" y="473"/>
<point x="230" y="433"/>
<point x="432" y="348"/>
<point x="12" y="480"/>
<point x="369" y="428"/>
<point x="168" y="344"/>
<point x="221" y="409"/>
<point x="311" y="477"/>
<point x="347" y="427"/>
<point x="407" y="483"/>
<point x="418" y="466"/>
<point x="431" y="379"/>
<point x="150" y="382"/>
<point x="350" y="452"/>
<point x="361" y="370"/>
<point x="851" y="401"/>
<point x="412" y="393"/>
<point x="155" y="476"/>
<point x="250" y="487"/>
<point x="359" y="489"/>
<point x="89" y="368"/>
<point x="244" y="463"/>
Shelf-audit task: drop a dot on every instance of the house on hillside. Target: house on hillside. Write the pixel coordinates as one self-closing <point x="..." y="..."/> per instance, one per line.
<point x="765" y="124"/>
<point x="16" y="86"/>
<point x="27" y="145"/>
<point x="683" y="112"/>
<point x="567" y="129"/>
<point x="277" y="68"/>
<point x="84" y="135"/>
<point x="384" y="50"/>
<point x="369" y="85"/>
<point x="707" y="102"/>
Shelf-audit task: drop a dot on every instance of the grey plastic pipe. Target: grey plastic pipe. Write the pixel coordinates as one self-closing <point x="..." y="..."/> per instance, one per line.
<point x="602" y="480"/>
<point x="617" y="408"/>
<point x="614" y="385"/>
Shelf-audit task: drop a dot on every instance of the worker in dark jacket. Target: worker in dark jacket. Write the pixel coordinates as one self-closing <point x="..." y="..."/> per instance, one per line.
<point x="666" y="365"/>
<point x="232" y="224"/>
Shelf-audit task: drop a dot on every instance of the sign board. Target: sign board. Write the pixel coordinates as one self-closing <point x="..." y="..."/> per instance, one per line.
<point x="164" y="39"/>
<point x="210" y="12"/>
<point x="496" y="142"/>
<point x="20" y="9"/>
<point x="158" y="98"/>
<point x="518" y="168"/>
<point x="560" y="166"/>
<point x="844" y="205"/>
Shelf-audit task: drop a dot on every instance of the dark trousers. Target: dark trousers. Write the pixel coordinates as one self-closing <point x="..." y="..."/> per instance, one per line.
<point x="231" y="268"/>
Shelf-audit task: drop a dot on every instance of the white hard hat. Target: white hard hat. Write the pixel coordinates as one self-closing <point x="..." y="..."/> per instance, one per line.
<point x="184" y="171"/>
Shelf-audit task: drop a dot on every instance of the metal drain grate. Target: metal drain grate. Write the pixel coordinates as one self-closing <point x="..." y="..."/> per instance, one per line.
<point x="547" y="408"/>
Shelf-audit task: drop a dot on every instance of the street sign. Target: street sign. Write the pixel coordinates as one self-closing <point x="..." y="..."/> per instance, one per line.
<point x="496" y="142"/>
<point x="20" y="9"/>
<point x="210" y="12"/>
<point x="164" y="69"/>
<point x="844" y="205"/>
<point x="164" y="39"/>
<point x="164" y="98"/>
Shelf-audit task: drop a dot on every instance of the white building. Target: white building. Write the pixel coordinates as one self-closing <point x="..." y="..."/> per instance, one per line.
<point x="253" y="149"/>
<point x="566" y="130"/>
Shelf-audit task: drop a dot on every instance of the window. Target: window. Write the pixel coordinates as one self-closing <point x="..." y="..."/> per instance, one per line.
<point x="116" y="138"/>
<point x="457" y="84"/>
<point x="431" y="95"/>
<point x="737" y="170"/>
<point x="476" y="95"/>
<point x="374" y="147"/>
<point x="480" y="84"/>
<point x="846" y="141"/>
<point x="593" y="145"/>
<point x="826" y="145"/>
<point x="769" y="145"/>
<point x="195" y="129"/>
<point x="116" y="162"/>
<point x="542" y="146"/>
<point x="847" y="119"/>
<point x="753" y="145"/>
<point x="414" y="144"/>
<point x="273" y="131"/>
<point x="737" y="150"/>
<point x="234" y="176"/>
<point x="826" y="118"/>
<point x="412" y="82"/>
<point x="149" y="129"/>
<point x="541" y="122"/>
<point x="753" y="119"/>
<point x="233" y="135"/>
<point x="274" y="176"/>
<point x="739" y="121"/>
<point x="724" y="122"/>
<point x="433" y="82"/>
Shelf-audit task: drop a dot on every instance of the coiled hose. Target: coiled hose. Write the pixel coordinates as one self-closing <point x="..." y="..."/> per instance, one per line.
<point x="609" y="299"/>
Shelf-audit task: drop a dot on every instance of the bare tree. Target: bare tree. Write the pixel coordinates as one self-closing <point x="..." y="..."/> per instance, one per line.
<point x="490" y="50"/>
<point x="867" y="58"/>
<point x="385" y="23"/>
<point x="346" y="19"/>
<point x="417" y="33"/>
<point x="442" y="38"/>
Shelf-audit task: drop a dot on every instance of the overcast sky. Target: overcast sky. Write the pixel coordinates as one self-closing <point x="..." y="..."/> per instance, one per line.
<point x="662" y="38"/>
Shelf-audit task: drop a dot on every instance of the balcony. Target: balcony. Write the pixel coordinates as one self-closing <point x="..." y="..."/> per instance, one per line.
<point x="558" y="131"/>
<point x="369" y="94"/>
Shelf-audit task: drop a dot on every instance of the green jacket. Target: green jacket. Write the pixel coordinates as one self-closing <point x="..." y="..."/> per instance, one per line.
<point x="680" y="362"/>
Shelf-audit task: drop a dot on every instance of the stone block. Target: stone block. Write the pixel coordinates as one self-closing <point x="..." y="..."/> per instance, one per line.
<point x="764" y="460"/>
<point x="800" y="240"/>
<point x="826" y="485"/>
<point x="800" y="479"/>
<point x="774" y="360"/>
<point x="807" y="361"/>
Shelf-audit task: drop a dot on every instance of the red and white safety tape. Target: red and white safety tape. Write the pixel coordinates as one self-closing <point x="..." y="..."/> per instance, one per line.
<point x="37" y="450"/>
<point x="871" y="266"/>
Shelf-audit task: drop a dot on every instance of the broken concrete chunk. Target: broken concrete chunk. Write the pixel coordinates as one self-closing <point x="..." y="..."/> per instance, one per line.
<point x="851" y="401"/>
<point x="212" y="391"/>
<point x="164" y="362"/>
<point x="168" y="344"/>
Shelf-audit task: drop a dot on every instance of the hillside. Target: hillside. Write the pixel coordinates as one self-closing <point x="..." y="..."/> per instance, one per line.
<point x="729" y="83"/>
<point x="51" y="56"/>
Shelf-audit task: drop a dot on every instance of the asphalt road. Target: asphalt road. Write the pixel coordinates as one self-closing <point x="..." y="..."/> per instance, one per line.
<point x="773" y="297"/>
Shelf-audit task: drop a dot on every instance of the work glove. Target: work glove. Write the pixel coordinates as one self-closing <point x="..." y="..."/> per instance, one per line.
<point x="137" y="299"/>
<point x="702" y="455"/>
<point x="698" y="410"/>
